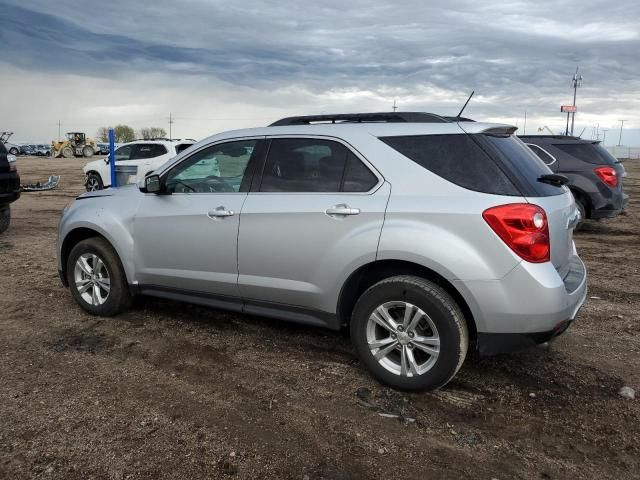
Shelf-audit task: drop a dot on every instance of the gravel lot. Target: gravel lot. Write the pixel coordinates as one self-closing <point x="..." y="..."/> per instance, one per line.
<point x="170" y="390"/>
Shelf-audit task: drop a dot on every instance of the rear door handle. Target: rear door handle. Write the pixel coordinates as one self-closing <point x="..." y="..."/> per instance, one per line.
<point x="342" y="209"/>
<point x="220" y="212"/>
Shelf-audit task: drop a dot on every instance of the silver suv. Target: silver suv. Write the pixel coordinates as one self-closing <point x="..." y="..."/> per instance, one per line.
<point x="426" y="237"/>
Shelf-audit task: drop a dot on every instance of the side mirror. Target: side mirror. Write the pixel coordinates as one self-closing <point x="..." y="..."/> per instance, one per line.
<point x="152" y="184"/>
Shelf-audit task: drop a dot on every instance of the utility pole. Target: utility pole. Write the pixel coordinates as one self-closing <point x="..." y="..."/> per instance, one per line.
<point x="171" y="122"/>
<point x="604" y="136"/>
<point x="524" y="129"/>
<point x="620" y="137"/>
<point x="58" y="130"/>
<point x="395" y="107"/>
<point x="576" y="82"/>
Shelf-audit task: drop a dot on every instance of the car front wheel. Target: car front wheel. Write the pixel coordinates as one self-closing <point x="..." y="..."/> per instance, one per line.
<point x="409" y="333"/>
<point x="96" y="278"/>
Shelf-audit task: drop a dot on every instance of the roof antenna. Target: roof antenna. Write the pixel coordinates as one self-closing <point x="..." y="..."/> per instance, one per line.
<point x="465" y="105"/>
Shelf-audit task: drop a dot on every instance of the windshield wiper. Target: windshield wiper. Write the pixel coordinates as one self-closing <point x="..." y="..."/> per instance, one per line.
<point x="553" y="179"/>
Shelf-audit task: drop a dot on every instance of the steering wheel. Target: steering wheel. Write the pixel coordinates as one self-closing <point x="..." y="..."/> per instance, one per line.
<point x="216" y="184"/>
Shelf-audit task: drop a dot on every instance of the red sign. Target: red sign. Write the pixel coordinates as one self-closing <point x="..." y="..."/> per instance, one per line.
<point x="568" y="109"/>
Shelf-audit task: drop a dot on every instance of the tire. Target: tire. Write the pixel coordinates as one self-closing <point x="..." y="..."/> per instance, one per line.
<point x="67" y="152"/>
<point x="583" y="215"/>
<point x="13" y="151"/>
<point x="5" y="218"/>
<point x="97" y="300"/>
<point x="93" y="182"/>
<point x="424" y="297"/>
<point x="87" y="151"/>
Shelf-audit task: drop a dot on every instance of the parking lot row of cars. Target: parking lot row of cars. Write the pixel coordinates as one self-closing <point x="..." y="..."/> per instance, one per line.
<point x="44" y="150"/>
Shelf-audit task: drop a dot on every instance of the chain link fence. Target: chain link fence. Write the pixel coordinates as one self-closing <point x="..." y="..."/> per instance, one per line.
<point x="622" y="152"/>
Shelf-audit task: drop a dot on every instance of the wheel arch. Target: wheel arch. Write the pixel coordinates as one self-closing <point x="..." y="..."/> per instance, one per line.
<point x="583" y="198"/>
<point x="373" y="272"/>
<point x="74" y="237"/>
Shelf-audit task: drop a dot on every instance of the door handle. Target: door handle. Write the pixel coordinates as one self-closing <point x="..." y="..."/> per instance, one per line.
<point x="342" y="209"/>
<point x="220" y="212"/>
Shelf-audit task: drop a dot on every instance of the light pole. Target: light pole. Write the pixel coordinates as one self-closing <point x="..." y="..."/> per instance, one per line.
<point x="604" y="136"/>
<point x="620" y="137"/>
<point x="575" y="82"/>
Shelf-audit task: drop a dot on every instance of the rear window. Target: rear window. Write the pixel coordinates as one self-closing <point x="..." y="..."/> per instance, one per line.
<point x="588" y="152"/>
<point x="182" y="146"/>
<point x="523" y="166"/>
<point x="456" y="158"/>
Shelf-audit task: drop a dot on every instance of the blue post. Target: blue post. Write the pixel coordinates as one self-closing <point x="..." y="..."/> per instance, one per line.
<point x="112" y="157"/>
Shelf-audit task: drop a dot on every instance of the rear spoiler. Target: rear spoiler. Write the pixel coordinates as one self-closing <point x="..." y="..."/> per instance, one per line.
<point x="500" y="131"/>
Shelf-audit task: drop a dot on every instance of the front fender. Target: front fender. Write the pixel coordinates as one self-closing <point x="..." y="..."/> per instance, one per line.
<point x="111" y="217"/>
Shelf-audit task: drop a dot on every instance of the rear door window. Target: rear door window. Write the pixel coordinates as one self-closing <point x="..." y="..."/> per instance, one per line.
<point x="357" y="176"/>
<point x="457" y="158"/>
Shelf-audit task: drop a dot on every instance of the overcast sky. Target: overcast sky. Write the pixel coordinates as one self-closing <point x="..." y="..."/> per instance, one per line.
<point x="224" y="65"/>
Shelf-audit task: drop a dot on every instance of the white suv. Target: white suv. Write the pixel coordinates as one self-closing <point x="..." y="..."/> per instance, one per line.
<point x="134" y="160"/>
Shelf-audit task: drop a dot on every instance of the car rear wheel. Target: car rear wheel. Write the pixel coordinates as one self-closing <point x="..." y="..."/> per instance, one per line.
<point x="94" y="182"/>
<point x="409" y="333"/>
<point x="96" y="278"/>
<point x="13" y="151"/>
<point x="5" y="218"/>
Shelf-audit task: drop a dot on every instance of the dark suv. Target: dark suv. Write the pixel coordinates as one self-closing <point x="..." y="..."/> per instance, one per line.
<point x="9" y="186"/>
<point x="595" y="176"/>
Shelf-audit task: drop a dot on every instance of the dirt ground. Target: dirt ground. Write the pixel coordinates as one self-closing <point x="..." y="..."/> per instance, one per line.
<point x="170" y="390"/>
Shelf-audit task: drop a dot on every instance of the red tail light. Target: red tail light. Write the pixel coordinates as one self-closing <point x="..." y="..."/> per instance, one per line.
<point x="608" y="175"/>
<point x="523" y="227"/>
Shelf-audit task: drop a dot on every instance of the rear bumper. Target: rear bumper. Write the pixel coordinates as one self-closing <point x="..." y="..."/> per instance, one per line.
<point x="530" y="305"/>
<point x="610" y="208"/>
<point x="495" y="343"/>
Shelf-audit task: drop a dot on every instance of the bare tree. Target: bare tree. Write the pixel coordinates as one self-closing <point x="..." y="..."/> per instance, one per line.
<point x="148" y="133"/>
<point x="103" y="134"/>
<point x="122" y="134"/>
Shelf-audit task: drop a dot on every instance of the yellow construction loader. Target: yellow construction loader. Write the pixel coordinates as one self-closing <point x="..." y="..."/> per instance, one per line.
<point x="76" y="145"/>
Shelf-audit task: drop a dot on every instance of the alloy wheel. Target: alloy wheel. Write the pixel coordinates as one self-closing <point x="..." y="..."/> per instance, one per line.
<point x="403" y="338"/>
<point x="92" y="279"/>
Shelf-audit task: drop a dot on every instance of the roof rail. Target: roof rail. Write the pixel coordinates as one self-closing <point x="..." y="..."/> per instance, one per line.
<point x="383" y="117"/>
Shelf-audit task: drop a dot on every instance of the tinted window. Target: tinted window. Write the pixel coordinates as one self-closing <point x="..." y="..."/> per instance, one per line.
<point x="182" y="146"/>
<point x="147" y="150"/>
<point x="588" y="152"/>
<point x="524" y="166"/>
<point x="304" y="165"/>
<point x="216" y="169"/>
<point x="357" y="176"/>
<point x="456" y="158"/>
<point x="542" y="155"/>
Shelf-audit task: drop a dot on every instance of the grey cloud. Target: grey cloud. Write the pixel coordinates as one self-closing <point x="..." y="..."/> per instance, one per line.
<point x="517" y="55"/>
